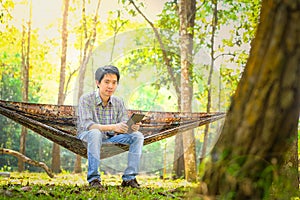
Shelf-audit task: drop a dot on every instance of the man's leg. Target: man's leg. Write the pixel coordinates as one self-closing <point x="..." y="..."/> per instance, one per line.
<point x="135" y="141"/>
<point x="93" y="138"/>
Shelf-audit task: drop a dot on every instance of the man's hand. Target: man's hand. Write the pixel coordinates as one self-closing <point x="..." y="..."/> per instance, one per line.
<point x="121" y="127"/>
<point x="135" y="127"/>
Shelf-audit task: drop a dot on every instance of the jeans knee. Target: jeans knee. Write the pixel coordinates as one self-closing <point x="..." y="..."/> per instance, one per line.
<point x="95" y="135"/>
<point x="138" y="136"/>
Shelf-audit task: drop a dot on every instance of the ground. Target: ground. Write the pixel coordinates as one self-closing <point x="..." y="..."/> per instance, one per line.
<point x="74" y="186"/>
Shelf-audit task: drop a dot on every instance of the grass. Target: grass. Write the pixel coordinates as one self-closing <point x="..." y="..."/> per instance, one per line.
<point x="74" y="186"/>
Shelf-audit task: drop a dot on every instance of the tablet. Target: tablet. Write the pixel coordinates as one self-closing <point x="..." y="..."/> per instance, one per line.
<point x="135" y="118"/>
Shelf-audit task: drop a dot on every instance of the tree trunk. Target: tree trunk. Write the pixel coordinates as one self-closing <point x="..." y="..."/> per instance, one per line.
<point x="187" y="9"/>
<point x="77" y="164"/>
<point x="209" y="86"/>
<point x="25" y="83"/>
<point x="21" y="166"/>
<point x="178" y="164"/>
<point x="87" y="52"/>
<point x="56" y="149"/>
<point x="262" y="121"/>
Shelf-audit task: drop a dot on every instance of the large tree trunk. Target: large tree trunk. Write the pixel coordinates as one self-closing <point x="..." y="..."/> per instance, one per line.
<point x="25" y="83"/>
<point x="56" y="149"/>
<point x="187" y="9"/>
<point x="262" y="121"/>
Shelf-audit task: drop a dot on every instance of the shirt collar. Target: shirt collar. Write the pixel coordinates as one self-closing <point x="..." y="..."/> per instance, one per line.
<point x="99" y="100"/>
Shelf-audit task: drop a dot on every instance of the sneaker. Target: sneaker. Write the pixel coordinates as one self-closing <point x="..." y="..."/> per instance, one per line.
<point x="96" y="184"/>
<point x="131" y="183"/>
<point x="136" y="182"/>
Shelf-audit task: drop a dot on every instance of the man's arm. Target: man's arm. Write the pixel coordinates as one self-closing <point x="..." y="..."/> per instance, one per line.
<point x="118" y="128"/>
<point x="110" y="127"/>
<point x="85" y="113"/>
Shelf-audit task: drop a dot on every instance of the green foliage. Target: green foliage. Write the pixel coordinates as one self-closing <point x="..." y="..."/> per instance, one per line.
<point x="169" y="19"/>
<point x="232" y="35"/>
<point x="38" y="148"/>
<point x="156" y="94"/>
<point x="231" y="47"/>
<point x="116" y="23"/>
<point x="147" y="97"/>
<point x="5" y="12"/>
<point x="151" y="52"/>
<point x="11" y="90"/>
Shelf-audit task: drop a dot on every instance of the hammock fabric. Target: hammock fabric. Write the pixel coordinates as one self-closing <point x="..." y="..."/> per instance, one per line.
<point x="58" y="124"/>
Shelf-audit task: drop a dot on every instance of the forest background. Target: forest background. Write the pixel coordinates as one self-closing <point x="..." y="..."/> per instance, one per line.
<point x="123" y="35"/>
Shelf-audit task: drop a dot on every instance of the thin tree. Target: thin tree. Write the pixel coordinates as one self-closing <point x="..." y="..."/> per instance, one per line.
<point x="209" y="84"/>
<point x="25" y="81"/>
<point x="56" y="149"/>
<point x="261" y="124"/>
<point x="87" y="52"/>
<point x="116" y="25"/>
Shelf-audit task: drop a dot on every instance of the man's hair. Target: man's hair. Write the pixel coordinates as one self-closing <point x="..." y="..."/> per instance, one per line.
<point x="108" y="69"/>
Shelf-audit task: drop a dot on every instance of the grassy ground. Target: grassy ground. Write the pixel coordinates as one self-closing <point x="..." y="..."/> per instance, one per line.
<point x="74" y="186"/>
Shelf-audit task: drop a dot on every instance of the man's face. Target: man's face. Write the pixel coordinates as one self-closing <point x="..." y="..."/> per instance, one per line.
<point x="108" y="85"/>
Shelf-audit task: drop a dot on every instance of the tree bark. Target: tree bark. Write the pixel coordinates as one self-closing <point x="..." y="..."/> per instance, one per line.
<point x="262" y="121"/>
<point x="290" y="168"/>
<point x="187" y="9"/>
<point x="56" y="148"/>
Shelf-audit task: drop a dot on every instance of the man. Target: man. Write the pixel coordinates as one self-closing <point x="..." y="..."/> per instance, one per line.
<point x="102" y="118"/>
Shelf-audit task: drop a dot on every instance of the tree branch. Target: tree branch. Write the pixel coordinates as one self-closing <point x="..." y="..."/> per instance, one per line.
<point x="162" y="46"/>
<point x="224" y="54"/>
<point x="28" y="160"/>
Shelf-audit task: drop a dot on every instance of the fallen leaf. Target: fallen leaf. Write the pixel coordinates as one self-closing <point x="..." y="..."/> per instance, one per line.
<point x="26" y="188"/>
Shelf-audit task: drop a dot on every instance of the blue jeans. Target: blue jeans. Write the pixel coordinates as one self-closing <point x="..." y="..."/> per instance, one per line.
<point x="95" y="138"/>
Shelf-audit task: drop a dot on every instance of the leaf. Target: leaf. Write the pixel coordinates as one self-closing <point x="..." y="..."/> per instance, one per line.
<point x="26" y="188"/>
<point x="41" y="193"/>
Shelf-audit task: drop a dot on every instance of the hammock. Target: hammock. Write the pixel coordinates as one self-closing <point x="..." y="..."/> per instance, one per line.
<point x="58" y="124"/>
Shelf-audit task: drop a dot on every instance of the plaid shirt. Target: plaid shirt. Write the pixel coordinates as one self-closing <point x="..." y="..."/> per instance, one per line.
<point x="91" y="111"/>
